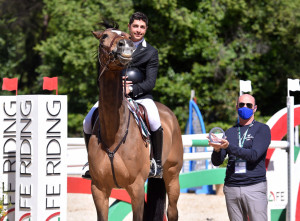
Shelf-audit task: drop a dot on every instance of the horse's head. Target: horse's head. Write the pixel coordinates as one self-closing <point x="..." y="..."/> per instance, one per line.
<point x="115" y="48"/>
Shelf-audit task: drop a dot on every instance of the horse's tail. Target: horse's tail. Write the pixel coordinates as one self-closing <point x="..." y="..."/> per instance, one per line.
<point x="156" y="200"/>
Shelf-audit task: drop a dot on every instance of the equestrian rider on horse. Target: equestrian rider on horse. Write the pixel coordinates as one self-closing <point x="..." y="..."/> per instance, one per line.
<point x="145" y="59"/>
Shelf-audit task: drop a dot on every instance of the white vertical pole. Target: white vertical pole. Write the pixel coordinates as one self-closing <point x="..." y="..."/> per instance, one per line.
<point x="245" y="86"/>
<point x="192" y="94"/>
<point x="291" y="210"/>
<point x="241" y="90"/>
<point x="297" y="136"/>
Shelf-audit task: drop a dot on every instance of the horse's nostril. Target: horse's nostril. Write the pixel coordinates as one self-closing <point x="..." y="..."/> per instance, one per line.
<point x="121" y="43"/>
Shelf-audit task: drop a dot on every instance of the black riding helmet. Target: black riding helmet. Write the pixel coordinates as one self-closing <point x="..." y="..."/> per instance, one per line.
<point x="134" y="75"/>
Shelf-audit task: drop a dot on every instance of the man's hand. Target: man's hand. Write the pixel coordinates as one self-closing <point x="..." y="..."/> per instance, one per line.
<point x="221" y="143"/>
<point x="128" y="83"/>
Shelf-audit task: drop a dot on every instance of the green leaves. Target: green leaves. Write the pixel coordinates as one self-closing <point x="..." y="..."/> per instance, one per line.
<point x="206" y="46"/>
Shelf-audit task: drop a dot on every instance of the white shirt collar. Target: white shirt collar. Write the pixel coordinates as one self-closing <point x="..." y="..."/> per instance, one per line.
<point x="136" y="44"/>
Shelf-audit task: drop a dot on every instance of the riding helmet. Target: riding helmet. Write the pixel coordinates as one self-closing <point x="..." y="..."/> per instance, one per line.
<point x="134" y="75"/>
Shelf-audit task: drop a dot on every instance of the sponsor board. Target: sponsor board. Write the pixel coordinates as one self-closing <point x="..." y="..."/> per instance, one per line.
<point x="41" y="148"/>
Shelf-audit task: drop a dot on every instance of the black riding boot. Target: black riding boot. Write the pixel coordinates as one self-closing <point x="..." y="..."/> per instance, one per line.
<point x="86" y="140"/>
<point x="86" y="172"/>
<point x="157" y="144"/>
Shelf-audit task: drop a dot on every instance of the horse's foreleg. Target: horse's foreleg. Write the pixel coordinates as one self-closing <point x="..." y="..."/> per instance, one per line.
<point x="137" y="195"/>
<point x="101" y="200"/>
<point x="173" y="191"/>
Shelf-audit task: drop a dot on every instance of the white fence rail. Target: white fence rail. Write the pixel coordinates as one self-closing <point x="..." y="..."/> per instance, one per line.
<point x="77" y="155"/>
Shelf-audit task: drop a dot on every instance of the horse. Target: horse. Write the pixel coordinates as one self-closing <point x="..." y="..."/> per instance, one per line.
<point x="118" y="155"/>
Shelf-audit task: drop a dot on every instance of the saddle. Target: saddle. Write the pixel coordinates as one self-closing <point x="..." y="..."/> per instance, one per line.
<point x="141" y="117"/>
<point x="142" y="112"/>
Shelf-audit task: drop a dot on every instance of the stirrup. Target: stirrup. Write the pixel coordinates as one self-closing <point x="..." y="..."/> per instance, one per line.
<point x="156" y="170"/>
<point x="85" y="173"/>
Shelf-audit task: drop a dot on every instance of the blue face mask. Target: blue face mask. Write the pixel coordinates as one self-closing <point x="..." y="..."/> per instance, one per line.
<point x="245" y="113"/>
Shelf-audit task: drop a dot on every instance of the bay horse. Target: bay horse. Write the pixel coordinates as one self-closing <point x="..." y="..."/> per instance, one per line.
<point x="117" y="154"/>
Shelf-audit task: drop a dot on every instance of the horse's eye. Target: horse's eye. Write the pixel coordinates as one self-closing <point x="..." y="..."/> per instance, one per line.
<point x="104" y="36"/>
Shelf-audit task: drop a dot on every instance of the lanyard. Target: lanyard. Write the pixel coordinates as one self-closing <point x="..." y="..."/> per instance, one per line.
<point x="242" y="139"/>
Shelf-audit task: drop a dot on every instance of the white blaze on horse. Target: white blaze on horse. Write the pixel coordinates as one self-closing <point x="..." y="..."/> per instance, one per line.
<point x="118" y="156"/>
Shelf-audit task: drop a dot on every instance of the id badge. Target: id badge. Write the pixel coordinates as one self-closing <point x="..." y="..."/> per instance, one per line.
<point x="240" y="166"/>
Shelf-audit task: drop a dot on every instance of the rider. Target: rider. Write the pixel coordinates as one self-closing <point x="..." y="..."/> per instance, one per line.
<point x="144" y="58"/>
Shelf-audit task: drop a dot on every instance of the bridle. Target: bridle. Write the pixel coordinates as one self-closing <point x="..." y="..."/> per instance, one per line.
<point x="111" y="54"/>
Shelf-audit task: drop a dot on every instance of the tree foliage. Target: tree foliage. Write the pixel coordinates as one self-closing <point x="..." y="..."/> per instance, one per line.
<point x="21" y="25"/>
<point x="204" y="45"/>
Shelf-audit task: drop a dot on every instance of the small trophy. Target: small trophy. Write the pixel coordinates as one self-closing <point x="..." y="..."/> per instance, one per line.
<point x="216" y="134"/>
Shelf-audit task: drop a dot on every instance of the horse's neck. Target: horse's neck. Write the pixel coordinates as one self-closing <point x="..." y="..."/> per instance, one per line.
<point x="111" y="107"/>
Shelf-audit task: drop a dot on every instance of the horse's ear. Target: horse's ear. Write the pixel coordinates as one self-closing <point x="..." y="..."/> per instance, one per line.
<point x="97" y="34"/>
<point x="126" y="35"/>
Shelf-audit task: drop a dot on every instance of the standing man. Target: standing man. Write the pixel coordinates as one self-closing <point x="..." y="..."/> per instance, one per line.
<point x="246" y="145"/>
<point x="145" y="59"/>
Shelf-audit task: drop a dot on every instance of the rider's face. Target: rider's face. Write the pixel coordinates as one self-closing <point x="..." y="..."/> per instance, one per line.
<point x="137" y="30"/>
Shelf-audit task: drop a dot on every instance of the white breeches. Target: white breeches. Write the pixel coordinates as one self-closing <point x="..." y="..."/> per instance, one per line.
<point x="87" y="122"/>
<point x="153" y="115"/>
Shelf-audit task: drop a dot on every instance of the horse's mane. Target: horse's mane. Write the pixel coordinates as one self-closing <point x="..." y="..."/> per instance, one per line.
<point x="109" y="24"/>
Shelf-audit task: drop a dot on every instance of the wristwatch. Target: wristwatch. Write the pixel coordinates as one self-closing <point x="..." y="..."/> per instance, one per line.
<point x="130" y="88"/>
